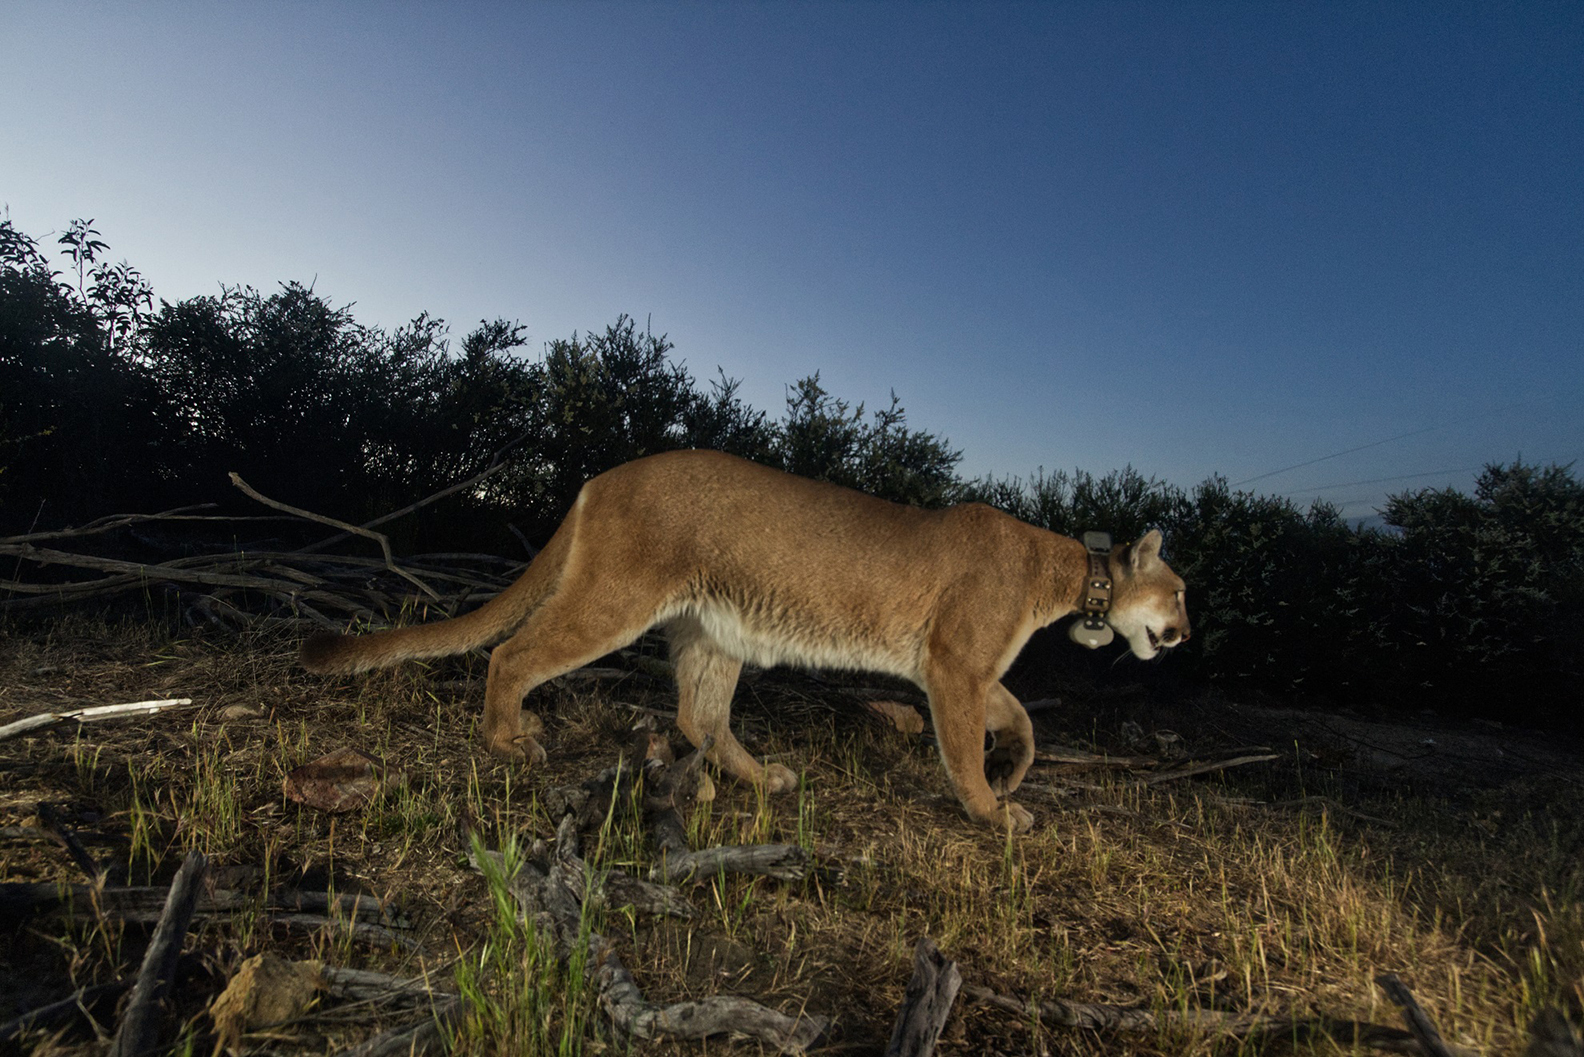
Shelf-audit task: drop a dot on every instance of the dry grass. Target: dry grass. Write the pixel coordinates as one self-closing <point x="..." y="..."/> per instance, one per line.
<point x="1173" y="897"/>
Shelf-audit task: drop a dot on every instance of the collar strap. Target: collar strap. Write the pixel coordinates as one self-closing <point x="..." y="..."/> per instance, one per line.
<point x="1097" y="584"/>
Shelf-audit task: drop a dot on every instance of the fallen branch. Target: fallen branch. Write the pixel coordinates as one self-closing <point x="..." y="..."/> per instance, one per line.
<point x="1414" y="1016"/>
<point x="378" y="537"/>
<point x="496" y="462"/>
<point x="139" y="1027"/>
<point x="426" y="1036"/>
<point x="1192" y="769"/>
<point x="56" y="828"/>
<point x="716" y="1015"/>
<point x="928" y="1002"/>
<point x="45" y="1017"/>
<point x="784" y="862"/>
<point x="89" y="715"/>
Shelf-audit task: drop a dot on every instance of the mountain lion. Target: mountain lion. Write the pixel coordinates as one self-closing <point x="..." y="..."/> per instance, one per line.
<point x="741" y="563"/>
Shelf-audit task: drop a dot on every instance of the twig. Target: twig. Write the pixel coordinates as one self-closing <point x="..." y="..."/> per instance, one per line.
<point x="412" y="1040"/>
<point x="48" y="1016"/>
<point x="785" y="862"/>
<point x="105" y="524"/>
<point x="378" y="537"/>
<point x="139" y="1027"/>
<point x="89" y="715"/>
<point x="1204" y="768"/>
<point x="68" y="840"/>
<point x="494" y="464"/>
<point x="1414" y="1016"/>
<point x="928" y="1002"/>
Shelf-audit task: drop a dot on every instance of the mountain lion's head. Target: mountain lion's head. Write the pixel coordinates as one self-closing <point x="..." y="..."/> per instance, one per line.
<point x="1147" y="599"/>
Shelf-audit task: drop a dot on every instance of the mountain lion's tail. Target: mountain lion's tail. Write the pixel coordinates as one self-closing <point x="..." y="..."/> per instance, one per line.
<point x="492" y="622"/>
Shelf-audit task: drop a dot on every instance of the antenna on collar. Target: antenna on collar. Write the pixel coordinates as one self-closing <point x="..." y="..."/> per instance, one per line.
<point x="1093" y="631"/>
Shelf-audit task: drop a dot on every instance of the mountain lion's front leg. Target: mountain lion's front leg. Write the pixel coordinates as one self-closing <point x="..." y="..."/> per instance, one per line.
<point x="1008" y="720"/>
<point x="958" y="706"/>
<point x="706" y="677"/>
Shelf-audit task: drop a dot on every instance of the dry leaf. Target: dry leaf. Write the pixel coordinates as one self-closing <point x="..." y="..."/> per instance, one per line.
<point x="339" y="781"/>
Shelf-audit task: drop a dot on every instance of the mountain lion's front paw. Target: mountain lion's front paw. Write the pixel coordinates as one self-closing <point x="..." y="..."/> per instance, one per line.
<point x="522" y="749"/>
<point x="1016" y="817"/>
<point x="778" y="778"/>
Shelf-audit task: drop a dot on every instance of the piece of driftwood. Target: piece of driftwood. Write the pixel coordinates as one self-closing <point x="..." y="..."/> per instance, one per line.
<point x="1260" y="1029"/>
<point x="139" y="1027"/>
<point x="927" y="1003"/>
<point x="90" y="715"/>
<point x="624" y="1003"/>
<point x="363" y="931"/>
<point x="497" y="461"/>
<point x="1414" y="1016"/>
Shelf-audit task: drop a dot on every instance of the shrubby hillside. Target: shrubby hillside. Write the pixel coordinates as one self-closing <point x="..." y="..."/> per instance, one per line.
<point x="109" y="403"/>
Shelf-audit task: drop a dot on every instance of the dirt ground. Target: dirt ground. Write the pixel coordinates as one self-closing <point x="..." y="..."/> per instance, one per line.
<point x="1448" y="849"/>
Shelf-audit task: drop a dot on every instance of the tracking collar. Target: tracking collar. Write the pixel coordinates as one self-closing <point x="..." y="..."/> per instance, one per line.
<point x="1093" y="631"/>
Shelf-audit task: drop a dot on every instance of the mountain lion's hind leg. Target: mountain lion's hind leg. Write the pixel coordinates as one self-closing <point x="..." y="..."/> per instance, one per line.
<point x="1008" y="721"/>
<point x="706" y="677"/>
<point x="562" y="634"/>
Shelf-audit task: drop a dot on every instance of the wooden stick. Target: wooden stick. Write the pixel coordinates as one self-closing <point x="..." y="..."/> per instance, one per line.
<point x="426" y="1036"/>
<point x="377" y="537"/>
<point x="1414" y="1016"/>
<point x="54" y="825"/>
<point x="89" y="715"/>
<point x="715" y="1015"/>
<point x="495" y="463"/>
<point x="928" y="1003"/>
<point x="139" y="1027"/>
<point x="1205" y="768"/>
<point x="66" y="1008"/>
<point x="785" y="862"/>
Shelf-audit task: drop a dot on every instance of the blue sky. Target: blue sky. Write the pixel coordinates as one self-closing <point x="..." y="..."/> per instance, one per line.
<point x="1194" y="238"/>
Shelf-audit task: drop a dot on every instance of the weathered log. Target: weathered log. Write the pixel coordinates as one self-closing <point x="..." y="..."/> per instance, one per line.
<point x="927" y="1003"/>
<point x="139" y="1027"/>
<point x="624" y="1003"/>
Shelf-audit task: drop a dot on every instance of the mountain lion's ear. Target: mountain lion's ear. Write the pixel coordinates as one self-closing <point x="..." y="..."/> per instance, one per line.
<point x="1146" y="552"/>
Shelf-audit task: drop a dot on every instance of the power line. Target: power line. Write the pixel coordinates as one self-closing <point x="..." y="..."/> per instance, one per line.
<point x="1379" y="480"/>
<point x="1334" y="455"/>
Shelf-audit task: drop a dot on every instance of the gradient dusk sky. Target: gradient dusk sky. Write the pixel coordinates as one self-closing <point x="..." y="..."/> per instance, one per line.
<point x="1344" y="242"/>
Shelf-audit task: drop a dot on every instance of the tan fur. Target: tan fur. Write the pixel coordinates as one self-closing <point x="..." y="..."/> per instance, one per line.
<point x="741" y="563"/>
